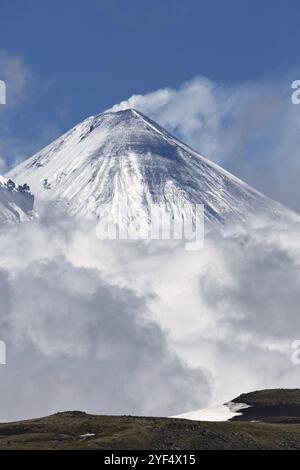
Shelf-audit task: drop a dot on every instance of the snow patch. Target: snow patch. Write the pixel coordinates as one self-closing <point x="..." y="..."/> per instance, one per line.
<point x="215" y="413"/>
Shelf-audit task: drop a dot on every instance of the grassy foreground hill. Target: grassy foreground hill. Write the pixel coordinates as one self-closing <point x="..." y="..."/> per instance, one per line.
<point x="276" y="426"/>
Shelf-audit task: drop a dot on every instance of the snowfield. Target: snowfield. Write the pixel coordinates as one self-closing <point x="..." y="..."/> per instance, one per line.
<point x="215" y="413"/>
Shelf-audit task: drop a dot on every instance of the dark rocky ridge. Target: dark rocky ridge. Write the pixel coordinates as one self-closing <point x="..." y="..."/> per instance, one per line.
<point x="272" y="406"/>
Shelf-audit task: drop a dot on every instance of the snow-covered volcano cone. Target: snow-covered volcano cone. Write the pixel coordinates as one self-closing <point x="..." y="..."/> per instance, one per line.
<point x="123" y="157"/>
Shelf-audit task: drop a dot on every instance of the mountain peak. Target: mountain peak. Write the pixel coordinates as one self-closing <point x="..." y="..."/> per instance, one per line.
<point x="123" y="156"/>
<point x="123" y="112"/>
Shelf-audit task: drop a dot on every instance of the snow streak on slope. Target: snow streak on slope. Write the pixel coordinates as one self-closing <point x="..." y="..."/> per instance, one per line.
<point x="215" y="413"/>
<point x="124" y="157"/>
<point x="16" y="202"/>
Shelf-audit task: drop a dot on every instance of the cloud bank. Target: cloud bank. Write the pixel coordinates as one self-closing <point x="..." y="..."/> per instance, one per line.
<point x="76" y="341"/>
<point x="111" y="327"/>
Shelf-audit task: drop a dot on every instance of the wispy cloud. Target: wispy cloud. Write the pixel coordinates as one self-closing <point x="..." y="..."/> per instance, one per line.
<point x="76" y="340"/>
<point x="3" y="166"/>
<point x="17" y="77"/>
<point x="20" y="134"/>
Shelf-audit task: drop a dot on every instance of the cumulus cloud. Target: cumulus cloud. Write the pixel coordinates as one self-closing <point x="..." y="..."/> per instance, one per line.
<point x="250" y="128"/>
<point x="76" y="341"/>
<point x="231" y="309"/>
<point x="111" y="327"/>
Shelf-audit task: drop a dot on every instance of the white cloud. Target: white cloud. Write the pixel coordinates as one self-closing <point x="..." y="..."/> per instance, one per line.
<point x="231" y="309"/>
<point x="76" y="341"/>
<point x="112" y="327"/>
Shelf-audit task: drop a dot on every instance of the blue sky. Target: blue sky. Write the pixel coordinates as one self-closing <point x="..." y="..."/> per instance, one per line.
<point x="85" y="56"/>
<point x="78" y="58"/>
